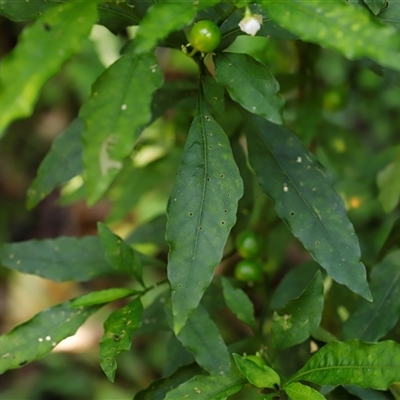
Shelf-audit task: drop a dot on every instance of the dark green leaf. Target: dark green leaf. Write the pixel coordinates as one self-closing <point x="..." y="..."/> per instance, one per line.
<point x="367" y="394"/>
<point x="114" y="116"/>
<point x="214" y="93"/>
<point x="391" y="14"/>
<point x="37" y="337"/>
<point x="297" y="391"/>
<point x="23" y="10"/>
<point x="393" y="240"/>
<point x="371" y="321"/>
<point x="176" y="357"/>
<point x="375" y="5"/>
<point x="261" y="377"/>
<point x="368" y="365"/>
<point x="117" y="16"/>
<point x="300" y="317"/>
<point x="61" y="259"/>
<point x="42" y="48"/>
<point x="119" y="254"/>
<point x="102" y="297"/>
<point x="62" y="163"/>
<point x="350" y="30"/>
<point x="238" y="302"/>
<point x="306" y="200"/>
<point x="201" y="212"/>
<point x="250" y="83"/>
<point x="118" y="330"/>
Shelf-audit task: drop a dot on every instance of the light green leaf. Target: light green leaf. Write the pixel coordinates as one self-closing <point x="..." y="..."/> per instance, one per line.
<point x="37" y="337"/>
<point x="119" y="107"/>
<point x="119" y="254"/>
<point x="102" y="297"/>
<point x="118" y="330"/>
<point x="250" y="83"/>
<point x="238" y="302"/>
<point x="201" y="212"/>
<point x="61" y="259"/>
<point x="211" y="387"/>
<point x="371" y="321"/>
<point x="42" y="49"/>
<point x="300" y="317"/>
<point x="389" y="185"/>
<point x="338" y="25"/>
<point x="368" y="365"/>
<point x="62" y="163"/>
<point x="297" y="391"/>
<point x="165" y="17"/>
<point x="261" y="377"/>
<point x="305" y="199"/>
<point x="202" y="338"/>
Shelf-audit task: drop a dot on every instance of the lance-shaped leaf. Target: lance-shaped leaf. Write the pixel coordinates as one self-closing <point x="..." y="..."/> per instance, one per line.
<point x="251" y="84"/>
<point x="201" y="212"/>
<point x="305" y="199"/>
<point x="61" y="259"/>
<point x="119" y="106"/>
<point x="368" y="365"/>
<point x="102" y="297"/>
<point x="119" y="254"/>
<point x="211" y="387"/>
<point x="349" y="30"/>
<point x="393" y="240"/>
<point x="300" y="317"/>
<point x="297" y="391"/>
<point x="371" y="321"/>
<point x="118" y="330"/>
<point x="165" y="17"/>
<point x="37" y="337"/>
<point x="389" y="185"/>
<point x="42" y="49"/>
<point x="62" y="163"/>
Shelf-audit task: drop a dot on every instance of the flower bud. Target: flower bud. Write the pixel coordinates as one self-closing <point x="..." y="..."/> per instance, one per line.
<point x="250" y="23"/>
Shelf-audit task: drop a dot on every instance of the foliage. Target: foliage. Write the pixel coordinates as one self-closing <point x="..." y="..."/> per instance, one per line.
<point x="285" y="138"/>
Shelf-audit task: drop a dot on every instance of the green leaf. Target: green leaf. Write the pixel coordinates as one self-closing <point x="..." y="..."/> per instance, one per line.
<point x="300" y="317"/>
<point x="389" y="185"/>
<point x="211" y="387"/>
<point x="368" y="365"/>
<point x="297" y="391"/>
<point x="214" y="93"/>
<point x="391" y="14"/>
<point x="238" y="302"/>
<point x="250" y="83"/>
<point x="338" y="25"/>
<point x="305" y="199"/>
<point x="114" y="116"/>
<point x="118" y="330"/>
<point x="62" y="163"/>
<point x="201" y="212"/>
<point x="119" y="254"/>
<point x="37" y="337"/>
<point x="42" y="49"/>
<point x="176" y="356"/>
<point x="202" y="338"/>
<point x="367" y="394"/>
<point x="392" y="240"/>
<point x="165" y="17"/>
<point x="23" y="10"/>
<point x="371" y="321"/>
<point x="117" y="16"/>
<point x="261" y="377"/>
<point x="61" y="259"/>
<point x="375" y="5"/>
<point x="102" y="297"/>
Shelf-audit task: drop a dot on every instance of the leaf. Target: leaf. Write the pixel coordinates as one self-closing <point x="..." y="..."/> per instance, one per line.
<point x="392" y="240"/>
<point x="261" y="377"/>
<point x="389" y="186"/>
<point x="201" y="212"/>
<point x="305" y="199"/>
<point x="62" y="163"/>
<point x="211" y="387"/>
<point x="367" y="394"/>
<point x="23" y="10"/>
<point x="42" y="49"/>
<point x="371" y="321"/>
<point x="118" y="330"/>
<point x="37" y="337"/>
<point x="119" y="254"/>
<point x="102" y="297"/>
<point x="117" y="16"/>
<point x="165" y="17"/>
<point x="250" y="83"/>
<point x="61" y="259"/>
<point x="368" y="365"/>
<point x="300" y="317"/>
<point x="340" y="26"/>
<point x="202" y="338"/>
<point x="114" y="116"/>
<point x="375" y="5"/>
<point x="214" y="93"/>
<point x="176" y="356"/>
<point x="391" y="15"/>
<point x="297" y="391"/>
<point x="238" y="302"/>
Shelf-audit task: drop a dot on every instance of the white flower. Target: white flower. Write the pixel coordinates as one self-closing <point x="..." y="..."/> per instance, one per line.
<point x="250" y="24"/>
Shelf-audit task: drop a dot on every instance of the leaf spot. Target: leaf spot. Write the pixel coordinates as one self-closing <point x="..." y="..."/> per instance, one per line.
<point x="106" y="163"/>
<point x="222" y="222"/>
<point x="48" y="338"/>
<point x="207" y="118"/>
<point x="190" y="214"/>
<point x="299" y="160"/>
<point x="124" y="107"/>
<point x="40" y="339"/>
<point x="4" y="356"/>
<point x="285" y="187"/>
<point x="222" y="176"/>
